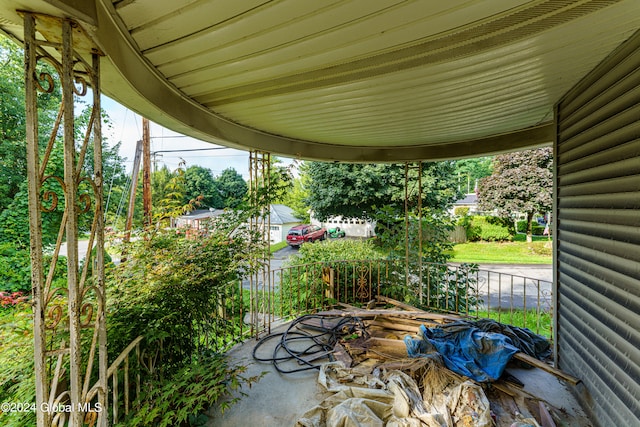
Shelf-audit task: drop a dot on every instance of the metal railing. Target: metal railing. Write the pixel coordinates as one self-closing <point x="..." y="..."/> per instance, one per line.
<point x="121" y="369"/>
<point x="460" y="289"/>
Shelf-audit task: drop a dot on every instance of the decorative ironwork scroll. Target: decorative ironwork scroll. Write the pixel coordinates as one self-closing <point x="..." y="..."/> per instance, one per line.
<point x="70" y="348"/>
<point x="363" y="285"/>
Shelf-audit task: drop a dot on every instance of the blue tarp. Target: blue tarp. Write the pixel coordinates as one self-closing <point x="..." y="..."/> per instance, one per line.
<point x="465" y="349"/>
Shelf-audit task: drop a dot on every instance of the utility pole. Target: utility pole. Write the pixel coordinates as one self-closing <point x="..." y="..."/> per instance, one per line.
<point x="146" y="173"/>
<point x="132" y="192"/>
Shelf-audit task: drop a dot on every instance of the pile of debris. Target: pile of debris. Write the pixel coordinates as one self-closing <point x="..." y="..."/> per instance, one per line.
<point x="402" y="366"/>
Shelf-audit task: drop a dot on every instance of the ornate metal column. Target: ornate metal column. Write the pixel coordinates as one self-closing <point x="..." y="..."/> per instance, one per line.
<point x="260" y="223"/>
<point x="70" y="349"/>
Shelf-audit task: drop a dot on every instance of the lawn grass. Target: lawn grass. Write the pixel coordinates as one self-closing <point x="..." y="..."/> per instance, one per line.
<point x="277" y="246"/>
<point x="537" y="252"/>
<point x="519" y="318"/>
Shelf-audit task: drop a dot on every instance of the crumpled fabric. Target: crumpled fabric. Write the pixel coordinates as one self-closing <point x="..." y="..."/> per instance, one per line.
<point x="524" y="339"/>
<point x="465" y="349"/>
<point x="393" y="400"/>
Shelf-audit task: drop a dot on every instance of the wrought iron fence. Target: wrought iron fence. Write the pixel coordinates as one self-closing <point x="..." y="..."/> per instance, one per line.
<point x="461" y="289"/>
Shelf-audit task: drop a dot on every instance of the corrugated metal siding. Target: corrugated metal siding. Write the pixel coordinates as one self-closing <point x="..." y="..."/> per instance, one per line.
<point x="598" y="237"/>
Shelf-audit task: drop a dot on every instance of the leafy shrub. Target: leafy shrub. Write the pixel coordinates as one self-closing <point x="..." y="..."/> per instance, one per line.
<point x="336" y="250"/>
<point x="17" y="376"/>
<point x="302" y="287"/>
<point x="440" y="286"/>
<point x="461" y="211"/>
<point x="490" y="229"/>
<point x="182" y="398"/>
<point x="436" y="228"/>
<point x="503" y="222"/>
<point x="494" y="233"/>
<point x="15" y="268"/>
<point x="11" y="299"/>
<point x="448" y="288"/>
<point x="182" y="296"/>
<point x="473" y="231"/>
<point x="169" y="288"/>
<point x="536" y="229"/>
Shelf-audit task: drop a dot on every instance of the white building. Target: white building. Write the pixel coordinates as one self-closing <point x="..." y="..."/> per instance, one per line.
<point x="353" y="227"/>
<point x="282" y="219"/>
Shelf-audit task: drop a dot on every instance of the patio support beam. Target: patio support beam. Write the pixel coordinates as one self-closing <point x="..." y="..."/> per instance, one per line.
<point x="35" y="220"/>
<point x="260" y="223"/>
<point x="407" y="194"/>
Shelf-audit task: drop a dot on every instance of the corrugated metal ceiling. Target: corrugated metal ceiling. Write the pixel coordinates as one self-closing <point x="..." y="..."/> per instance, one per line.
<point x="355" y="80"/>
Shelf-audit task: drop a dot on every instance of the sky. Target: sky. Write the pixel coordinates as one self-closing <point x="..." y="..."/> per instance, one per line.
<point x="126" y="127"/>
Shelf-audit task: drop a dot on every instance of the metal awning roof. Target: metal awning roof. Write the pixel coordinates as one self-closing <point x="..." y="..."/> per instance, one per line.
<point x="362" y="80"/>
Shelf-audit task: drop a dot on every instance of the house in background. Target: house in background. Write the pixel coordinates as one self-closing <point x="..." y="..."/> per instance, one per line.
<point x="282" y="219"/>
<point x="353" y="227"/>
<point x="470" y="201"/>
<point x="195" y="218"/>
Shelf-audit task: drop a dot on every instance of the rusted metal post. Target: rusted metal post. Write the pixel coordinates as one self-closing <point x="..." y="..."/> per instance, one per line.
<point x="71" y="186"/>
<point x="260" y="223"/>
<point x="406" y="225"/>
<point x="35" y="222"/>
<point x="420" y="231"/>
<point x="99" y="270"/>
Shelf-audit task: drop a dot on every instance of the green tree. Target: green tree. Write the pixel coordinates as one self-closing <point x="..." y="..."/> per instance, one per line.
<point x="14" y="225"/>
<point x="280" y="180"/>
<point x="172" y="204"/>
<point x="13" y="154"/>
<point x="201" y="185"/>
<point x="232" y="189"/>
<point x="360" y="190"/>
<point x="159" y="180"/>
<point x="297" y="196"/>
<point x="521" y="182"/>
<point x="471" y="171"/>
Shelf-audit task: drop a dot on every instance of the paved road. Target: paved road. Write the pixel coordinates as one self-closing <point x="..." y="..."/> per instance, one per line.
<point x="516" y="286"/>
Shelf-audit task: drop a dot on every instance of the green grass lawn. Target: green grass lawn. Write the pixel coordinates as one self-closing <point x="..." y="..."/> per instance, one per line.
<point x="517" y="252"/>
<point x="539" y="325"/>
<point x="277" y="246"/>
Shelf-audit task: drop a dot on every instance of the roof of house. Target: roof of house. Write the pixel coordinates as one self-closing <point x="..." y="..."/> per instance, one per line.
<point x="201" y="214"/>
<point x="469" y="199"/>
<point x="281" y="214"/>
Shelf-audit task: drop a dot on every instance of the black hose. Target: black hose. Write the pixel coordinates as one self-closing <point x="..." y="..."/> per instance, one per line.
<point x="320" y="344"/>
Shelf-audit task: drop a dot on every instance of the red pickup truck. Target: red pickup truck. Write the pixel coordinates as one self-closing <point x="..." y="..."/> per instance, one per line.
<point x="305" y="233"/>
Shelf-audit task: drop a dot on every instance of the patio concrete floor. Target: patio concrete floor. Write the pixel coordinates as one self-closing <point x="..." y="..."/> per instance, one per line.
<point x="279" y="400"/>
